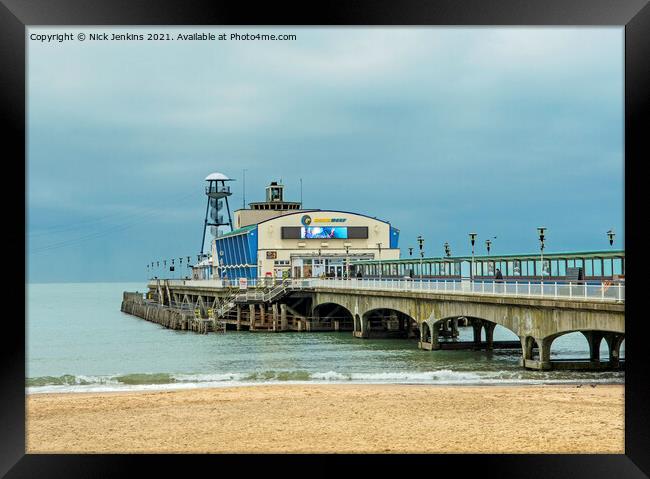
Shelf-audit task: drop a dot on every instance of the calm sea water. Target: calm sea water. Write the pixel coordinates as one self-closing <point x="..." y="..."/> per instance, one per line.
<point x="78" y="340"/>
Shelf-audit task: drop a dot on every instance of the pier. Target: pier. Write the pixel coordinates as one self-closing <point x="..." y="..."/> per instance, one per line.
<point x="429" y="313"/>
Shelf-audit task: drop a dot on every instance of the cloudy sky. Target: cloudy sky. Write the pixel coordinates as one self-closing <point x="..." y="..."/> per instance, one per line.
<point x="440" y="131"/>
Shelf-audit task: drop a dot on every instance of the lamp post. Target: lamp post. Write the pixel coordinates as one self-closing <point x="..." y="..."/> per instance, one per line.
<point x="410" y="251"/>
<point x="542" y="237"/>
<point x="380" y="265"/>
<point x="421" y="246"/>
<point x="610" y="235"/>
<point x="319" y="263"/>
<point x="488" y="245"/>
<point x="472" y="240"/>
<point x="448" y="255"/>
<point x="347" y="262"/>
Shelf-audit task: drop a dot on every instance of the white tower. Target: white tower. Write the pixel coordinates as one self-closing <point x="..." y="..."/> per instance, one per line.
<point x="217" y="192"/>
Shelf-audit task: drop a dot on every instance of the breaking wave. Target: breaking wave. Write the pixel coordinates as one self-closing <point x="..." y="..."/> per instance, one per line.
<point x="154" y="381"/>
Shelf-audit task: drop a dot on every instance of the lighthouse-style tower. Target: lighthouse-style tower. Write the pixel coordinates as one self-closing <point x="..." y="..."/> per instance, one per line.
<point x="217" y="192"/>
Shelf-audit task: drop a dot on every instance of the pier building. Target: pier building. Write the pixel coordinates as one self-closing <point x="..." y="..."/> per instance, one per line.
<point x="279" y="239"/>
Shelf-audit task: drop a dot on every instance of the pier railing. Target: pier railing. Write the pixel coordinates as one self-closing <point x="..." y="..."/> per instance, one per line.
<point x="592" y="292"/>
<point x="264" y="289"/>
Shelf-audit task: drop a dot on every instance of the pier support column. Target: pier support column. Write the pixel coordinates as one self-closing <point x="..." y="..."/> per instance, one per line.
<point x="283" y="317"/>
<point x="262" y="314"/>
<point x="594" y="339"/>
<point x="477" y="325"/>
<point x="428" y="337"/>
<point x="434" y="339"/>
<point x="238" y="318"/>
<point x="274" y="309"/>
<point x="364" y="328"/>
<point x="526" y="349"/>
<point x="544" y="352"/>
<point x="336" y="325"/>
<point x="614" y="342"/>
<point x="489" y="335"/>
<point x="251" y="317"/>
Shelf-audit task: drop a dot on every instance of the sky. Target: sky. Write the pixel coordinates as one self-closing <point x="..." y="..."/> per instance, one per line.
<point x="441" y="131"/>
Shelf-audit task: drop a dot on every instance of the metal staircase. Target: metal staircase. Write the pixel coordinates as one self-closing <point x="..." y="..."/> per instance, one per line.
<point x="225" y="305"/>
<point x="266" y="295"/>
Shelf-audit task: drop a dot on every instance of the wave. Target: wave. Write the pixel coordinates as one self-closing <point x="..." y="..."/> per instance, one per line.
<point x="153" y="381"/>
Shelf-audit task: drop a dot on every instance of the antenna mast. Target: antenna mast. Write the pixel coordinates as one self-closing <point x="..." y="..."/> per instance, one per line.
<point x="244" y="197"/>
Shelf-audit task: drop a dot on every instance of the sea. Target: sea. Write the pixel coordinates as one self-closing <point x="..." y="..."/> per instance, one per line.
<point x="78" y="340"/>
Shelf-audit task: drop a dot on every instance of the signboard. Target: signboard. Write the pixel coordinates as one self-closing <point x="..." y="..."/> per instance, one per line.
<point x="271" y="255"/>
<point x="323" y="232"/>
<point x="306" y="220"/>
<point x="243" y="283"/>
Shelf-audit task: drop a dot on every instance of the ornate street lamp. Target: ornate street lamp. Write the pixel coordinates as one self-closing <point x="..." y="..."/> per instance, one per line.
<point x="380" y="265"/>
<point x="610" y="235"/>
<point x="488" y="245"/>
<point x="472" y="240"/>
<point x="542" y="238"/>
<point x="447" y="250"/>
<point x="421" y="246"/>
<point x="347" y="262"/>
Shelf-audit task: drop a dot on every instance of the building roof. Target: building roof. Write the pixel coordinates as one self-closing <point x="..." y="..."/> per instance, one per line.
<point x="305" y="211"/>
<point x="238" y="231"/>
<point x="217" y="176"/>
<point x="523" y="256"/>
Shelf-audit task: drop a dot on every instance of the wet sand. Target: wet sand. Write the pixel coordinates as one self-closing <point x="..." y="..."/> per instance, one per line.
<point x="332" y="419"/>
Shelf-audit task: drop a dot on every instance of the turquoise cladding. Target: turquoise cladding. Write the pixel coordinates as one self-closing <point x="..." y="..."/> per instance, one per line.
<point x="238" y="254"/>
<point x="394" y="237"/>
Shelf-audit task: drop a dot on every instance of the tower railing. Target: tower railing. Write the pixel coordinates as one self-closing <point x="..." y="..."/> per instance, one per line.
<point x="217" y="189"/>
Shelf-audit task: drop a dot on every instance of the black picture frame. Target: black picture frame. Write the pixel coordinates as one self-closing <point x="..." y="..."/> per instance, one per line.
<point x="634" y="15"/>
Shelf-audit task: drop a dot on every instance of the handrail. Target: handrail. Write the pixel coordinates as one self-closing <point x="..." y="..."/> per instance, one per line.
<point x="267" y="290"/>
<point x="593" y="292"/>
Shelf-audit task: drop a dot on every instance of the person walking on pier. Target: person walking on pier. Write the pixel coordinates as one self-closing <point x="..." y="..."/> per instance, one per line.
<point x="498" y="277"/>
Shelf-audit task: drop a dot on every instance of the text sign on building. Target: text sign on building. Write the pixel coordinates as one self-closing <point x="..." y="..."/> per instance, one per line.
<point x="243" y="283"/>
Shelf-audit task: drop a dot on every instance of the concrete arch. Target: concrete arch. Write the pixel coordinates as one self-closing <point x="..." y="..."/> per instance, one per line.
<point x="445" y="334"/>
<point x="539" y="318"/>
<point x="594" y="338"/>
<point x="332" y="316"/>
<point x="580" y="338"/>
<point x="388" y="323"/>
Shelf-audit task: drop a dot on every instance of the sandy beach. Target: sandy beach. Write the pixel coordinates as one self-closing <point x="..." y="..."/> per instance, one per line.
<point x="332" y="419"/>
